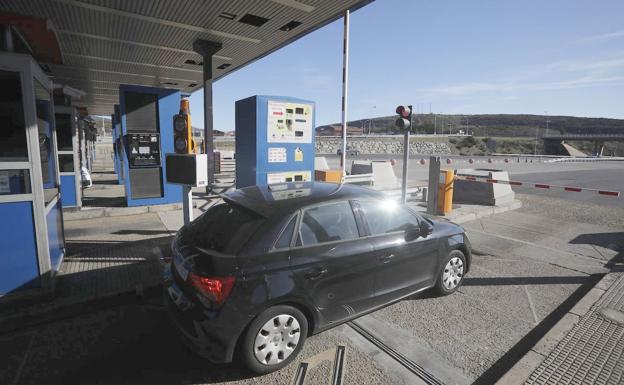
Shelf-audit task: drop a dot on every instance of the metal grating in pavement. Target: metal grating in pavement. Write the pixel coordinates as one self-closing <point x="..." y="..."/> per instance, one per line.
<point x="613" y="298"/>
<point x="592" y="352"/>
<point x="102" y="271"/>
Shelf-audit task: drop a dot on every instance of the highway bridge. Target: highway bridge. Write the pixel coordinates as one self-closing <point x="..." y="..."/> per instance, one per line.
<point x="555" y="144"/>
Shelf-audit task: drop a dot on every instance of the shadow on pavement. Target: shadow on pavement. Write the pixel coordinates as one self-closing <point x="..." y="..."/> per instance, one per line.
<point x="501" y="281"/>
<point x="104" y="201"/>
<point x="131" y="344"/>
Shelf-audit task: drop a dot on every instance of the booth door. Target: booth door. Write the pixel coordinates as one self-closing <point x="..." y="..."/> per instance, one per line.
<point x="50" y="177"/>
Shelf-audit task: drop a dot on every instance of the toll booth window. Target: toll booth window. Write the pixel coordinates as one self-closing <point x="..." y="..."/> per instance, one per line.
<point x="64" y="132"/>
<point x="13" y="145"/>
<point x="46" y="144"/>
<point x="15" y="182"/>
<point x="66" y="163"/>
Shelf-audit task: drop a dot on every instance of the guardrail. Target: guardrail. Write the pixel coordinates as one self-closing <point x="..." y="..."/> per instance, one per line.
<point x="588" y="159"/>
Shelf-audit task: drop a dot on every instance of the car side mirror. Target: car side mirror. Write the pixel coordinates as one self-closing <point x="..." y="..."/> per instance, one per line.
<point x="412" y="233"/>
<point x="425" y="229"/>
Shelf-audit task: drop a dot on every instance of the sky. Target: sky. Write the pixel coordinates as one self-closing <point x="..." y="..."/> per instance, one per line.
<point x="555" y="57"/>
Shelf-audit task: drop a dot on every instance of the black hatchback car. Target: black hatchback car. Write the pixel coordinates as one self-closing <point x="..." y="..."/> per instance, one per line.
<point x="271" y="265"/>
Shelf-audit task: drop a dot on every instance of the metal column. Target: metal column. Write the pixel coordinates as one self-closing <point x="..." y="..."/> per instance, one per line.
<point x="345" y="90"/>
<point x="207" y="49"/>
<point x="406" y="151"/>
<point x="434" y="181"/>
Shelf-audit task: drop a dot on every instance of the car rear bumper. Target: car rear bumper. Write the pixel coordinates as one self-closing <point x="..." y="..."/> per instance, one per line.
<point x="202" y="330"/>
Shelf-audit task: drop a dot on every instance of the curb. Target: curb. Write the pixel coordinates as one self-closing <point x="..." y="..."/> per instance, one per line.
<point x="120" y="211"/>
<point x="521" y="371"/>
<point x="486" y="211"/>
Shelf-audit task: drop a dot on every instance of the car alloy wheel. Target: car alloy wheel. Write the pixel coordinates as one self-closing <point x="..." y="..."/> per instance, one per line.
<point x="277" y="339"/>
<point x="453" y="273"/>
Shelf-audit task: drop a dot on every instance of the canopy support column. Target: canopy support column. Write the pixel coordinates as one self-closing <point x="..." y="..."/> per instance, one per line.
<point x="207" y="49"/>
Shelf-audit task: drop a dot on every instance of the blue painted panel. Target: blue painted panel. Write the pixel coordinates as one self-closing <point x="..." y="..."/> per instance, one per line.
<point x="168" y="106"/>
<point x="68" y="190"/>
<point x="18" y="249"/>
<point x="252" y="164"/>
<point x="56" y="239"/>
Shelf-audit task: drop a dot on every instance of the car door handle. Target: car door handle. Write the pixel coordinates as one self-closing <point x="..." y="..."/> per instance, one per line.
<point x="386" y="258"/>
<point x="315" y="274"/>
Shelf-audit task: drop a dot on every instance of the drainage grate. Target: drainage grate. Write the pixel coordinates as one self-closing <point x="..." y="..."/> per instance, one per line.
<point x="593" y="352"/>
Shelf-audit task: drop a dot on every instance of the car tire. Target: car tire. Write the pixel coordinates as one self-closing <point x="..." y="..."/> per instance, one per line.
<point x="277" y="328"/>
<point x="451" y="276"/>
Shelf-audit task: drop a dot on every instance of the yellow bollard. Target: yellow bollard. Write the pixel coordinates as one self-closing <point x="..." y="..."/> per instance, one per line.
<point x="445" y="192"/>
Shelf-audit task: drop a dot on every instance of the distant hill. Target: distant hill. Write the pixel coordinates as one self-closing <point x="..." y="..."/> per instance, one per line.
<point x="489" y="125"/>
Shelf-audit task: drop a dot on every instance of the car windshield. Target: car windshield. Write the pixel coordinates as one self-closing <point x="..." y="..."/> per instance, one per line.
<point x="224" y="228"/>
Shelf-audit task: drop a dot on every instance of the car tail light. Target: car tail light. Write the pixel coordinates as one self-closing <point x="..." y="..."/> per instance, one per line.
<point x="216" y="289"/>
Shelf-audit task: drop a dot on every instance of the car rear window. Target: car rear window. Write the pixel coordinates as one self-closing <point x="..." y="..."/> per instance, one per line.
<point x="224" y="228"/>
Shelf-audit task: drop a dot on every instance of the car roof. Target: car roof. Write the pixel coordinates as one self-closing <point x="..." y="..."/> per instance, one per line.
<point x="285" y="198"/>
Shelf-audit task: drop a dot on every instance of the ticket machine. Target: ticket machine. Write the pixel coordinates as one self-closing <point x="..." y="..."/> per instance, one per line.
<point x="147" y="134"/>
<point x="32" y="243"/>
<point x="274" y="140"/>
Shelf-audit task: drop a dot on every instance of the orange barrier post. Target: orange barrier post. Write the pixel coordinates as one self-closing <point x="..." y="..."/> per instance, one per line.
<point x="445" y="192"/>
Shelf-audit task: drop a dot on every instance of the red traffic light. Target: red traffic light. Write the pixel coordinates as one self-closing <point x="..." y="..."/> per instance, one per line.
<point x="402" y="123"/>
<point x="404" y="111"/>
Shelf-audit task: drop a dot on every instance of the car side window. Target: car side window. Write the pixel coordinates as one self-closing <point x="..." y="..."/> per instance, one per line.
<point x="284" y="240"/>
<point x="387" y="216"/>
<point x="327" y="223"/>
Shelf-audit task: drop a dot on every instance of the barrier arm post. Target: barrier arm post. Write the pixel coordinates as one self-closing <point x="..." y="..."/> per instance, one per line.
<point x="406" y="151"/>
<point x="432" y="188"/>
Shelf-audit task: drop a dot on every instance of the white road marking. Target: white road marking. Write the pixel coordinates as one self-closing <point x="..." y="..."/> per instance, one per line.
<point x="21" y="367"/>
<point x="526" y="290"/>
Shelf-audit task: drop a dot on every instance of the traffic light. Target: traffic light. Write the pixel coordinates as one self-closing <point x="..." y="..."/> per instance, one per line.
<point x="404" y="122"/>
<point x="182" y="130"/>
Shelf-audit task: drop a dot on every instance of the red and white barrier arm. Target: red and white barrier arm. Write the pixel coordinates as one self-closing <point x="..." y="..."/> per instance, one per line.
<point x="535" y="185"/>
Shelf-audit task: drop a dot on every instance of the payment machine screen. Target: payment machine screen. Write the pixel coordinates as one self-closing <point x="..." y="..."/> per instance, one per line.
<point x="289" y="122"/>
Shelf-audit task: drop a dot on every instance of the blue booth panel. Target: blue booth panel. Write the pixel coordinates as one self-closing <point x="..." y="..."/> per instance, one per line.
<point x="18" y="248"/>
<point x="68" y="190"/>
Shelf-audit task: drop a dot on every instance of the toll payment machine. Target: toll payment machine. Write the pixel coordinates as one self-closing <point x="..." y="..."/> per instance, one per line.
<point x="274" y="140"/>
<point x="146" y="128"/>
<point x="32" y="244"/>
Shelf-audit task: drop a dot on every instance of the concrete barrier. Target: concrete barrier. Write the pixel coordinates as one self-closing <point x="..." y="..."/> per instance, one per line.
<point x="469" y="192"/>
<point x="320" y="163"/>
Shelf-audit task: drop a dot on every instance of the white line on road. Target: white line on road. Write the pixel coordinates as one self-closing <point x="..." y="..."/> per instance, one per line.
<point x="21" y="367"/>
<point x="526" y="290"/>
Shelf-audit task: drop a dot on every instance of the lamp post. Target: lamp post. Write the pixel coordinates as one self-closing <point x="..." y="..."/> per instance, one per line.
<point x="547" y="122"/>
